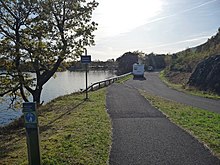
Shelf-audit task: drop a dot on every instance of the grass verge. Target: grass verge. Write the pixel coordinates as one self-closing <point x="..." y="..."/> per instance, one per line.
<point x="72" y="131"/>
<point x="122" y="80"/>
<point x="202" y="124"/>
<point x="189" y="90"/>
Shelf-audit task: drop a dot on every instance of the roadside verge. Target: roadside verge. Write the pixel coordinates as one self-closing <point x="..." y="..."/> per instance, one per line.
<point x="72" y="131"/>
<point x="186" y="89"/>
<point x="202" y="124"/>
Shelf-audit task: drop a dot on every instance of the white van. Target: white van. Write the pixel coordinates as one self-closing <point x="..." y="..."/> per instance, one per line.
<point x="138" y="70"/>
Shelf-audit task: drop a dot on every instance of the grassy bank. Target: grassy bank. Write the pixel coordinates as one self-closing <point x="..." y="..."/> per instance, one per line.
<point x="123" y="79"/>
<point x="187" y="89"/>
<point x="72" y="131"/>
<point x="204" y="125"/>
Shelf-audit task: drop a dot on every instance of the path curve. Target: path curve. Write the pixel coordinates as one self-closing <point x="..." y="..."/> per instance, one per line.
<point x="154" y="85"/>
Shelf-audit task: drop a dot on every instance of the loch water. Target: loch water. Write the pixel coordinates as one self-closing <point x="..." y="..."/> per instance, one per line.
<point x="61" y="84"/>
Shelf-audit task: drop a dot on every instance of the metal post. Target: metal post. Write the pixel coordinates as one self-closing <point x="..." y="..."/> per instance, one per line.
<point x="86" y="76"/>
<point x="32" y="133"/>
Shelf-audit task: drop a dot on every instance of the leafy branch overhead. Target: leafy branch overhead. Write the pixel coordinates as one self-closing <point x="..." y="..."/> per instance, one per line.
<point x="42" y="33"/>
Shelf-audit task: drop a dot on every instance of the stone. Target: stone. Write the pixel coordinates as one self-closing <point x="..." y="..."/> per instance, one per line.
<point x="206" y="76"/>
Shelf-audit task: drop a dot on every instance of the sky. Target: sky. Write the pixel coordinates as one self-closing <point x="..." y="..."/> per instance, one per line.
<point x="159" y="26"/>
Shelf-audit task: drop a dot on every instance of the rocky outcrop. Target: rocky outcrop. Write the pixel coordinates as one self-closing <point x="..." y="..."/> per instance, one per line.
<point x="207" y="75"/>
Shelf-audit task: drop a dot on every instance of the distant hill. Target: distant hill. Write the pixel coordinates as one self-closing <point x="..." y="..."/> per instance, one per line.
<point x="182" y="64"/>
<point x="213" y="45"/>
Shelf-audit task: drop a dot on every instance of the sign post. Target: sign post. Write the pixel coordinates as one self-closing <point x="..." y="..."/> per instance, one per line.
<point x="86" y="60"/>
<point x="32" y="133"/>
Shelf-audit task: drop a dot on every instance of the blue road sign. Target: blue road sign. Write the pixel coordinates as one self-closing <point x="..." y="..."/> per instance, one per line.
<point x="30" y="117"/>
<point x="32" y="132"/>
<point x="85" y="59"/>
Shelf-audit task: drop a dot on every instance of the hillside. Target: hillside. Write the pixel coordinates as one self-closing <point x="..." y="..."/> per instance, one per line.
<point x="183" y="64"/>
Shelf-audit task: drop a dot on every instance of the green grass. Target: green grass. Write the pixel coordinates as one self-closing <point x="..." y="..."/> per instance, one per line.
<point x="73" y="131"/>
<point x="202" y="124"/>
<point x="122" y="80"/>
<point x="186" y="89"/>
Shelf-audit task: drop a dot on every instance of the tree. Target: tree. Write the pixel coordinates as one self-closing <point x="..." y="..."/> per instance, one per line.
<point x="43" y="33"/>
<point x="126" y="61"/>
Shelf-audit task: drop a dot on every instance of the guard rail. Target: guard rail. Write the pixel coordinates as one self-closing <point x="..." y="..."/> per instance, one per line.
<point x="104" y="83"/>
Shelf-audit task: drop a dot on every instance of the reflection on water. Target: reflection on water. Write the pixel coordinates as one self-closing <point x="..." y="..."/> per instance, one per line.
<point x="63" y="83"/>
<point x="68" y="82"/>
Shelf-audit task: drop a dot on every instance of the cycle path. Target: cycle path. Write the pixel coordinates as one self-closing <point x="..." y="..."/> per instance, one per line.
<point x="154" y="85"/>
<point x="143" y="135"/>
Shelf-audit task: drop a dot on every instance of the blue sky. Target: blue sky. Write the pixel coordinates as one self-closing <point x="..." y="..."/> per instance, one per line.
<point x="159" y="26"/>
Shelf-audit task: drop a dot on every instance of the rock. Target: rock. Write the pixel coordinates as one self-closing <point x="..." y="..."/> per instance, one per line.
<point x="207" y="75"/>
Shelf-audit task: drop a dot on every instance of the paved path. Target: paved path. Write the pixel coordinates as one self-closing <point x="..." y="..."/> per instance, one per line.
<point x="142" y="135"/>
<point x="154" y="85"/>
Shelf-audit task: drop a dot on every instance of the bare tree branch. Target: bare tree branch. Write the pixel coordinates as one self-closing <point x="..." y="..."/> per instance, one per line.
<point x="9" y="10"/>
<point x="10" y="90"/>
<point x="23" y="94"/>
<point x="7" y="33"/>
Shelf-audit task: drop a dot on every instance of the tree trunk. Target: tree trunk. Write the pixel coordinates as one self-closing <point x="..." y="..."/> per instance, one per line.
<point x="37" y="95"/>
<point x="41" y="80"/>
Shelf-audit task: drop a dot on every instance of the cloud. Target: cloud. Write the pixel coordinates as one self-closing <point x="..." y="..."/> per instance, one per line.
<point x="183" y="41"/>
<point x="169" y="30"/>
<point x="180" y="12"/>
<point x="198" y="6"/>
<point x="120" y="16"/>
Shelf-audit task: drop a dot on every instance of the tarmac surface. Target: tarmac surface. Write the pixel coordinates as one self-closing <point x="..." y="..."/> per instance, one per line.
<point x="154" y="85"/>
<point x="142" y="135"/>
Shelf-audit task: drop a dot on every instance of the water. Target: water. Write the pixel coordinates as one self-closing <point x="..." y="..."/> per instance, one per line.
<point x="64" y="83"/>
